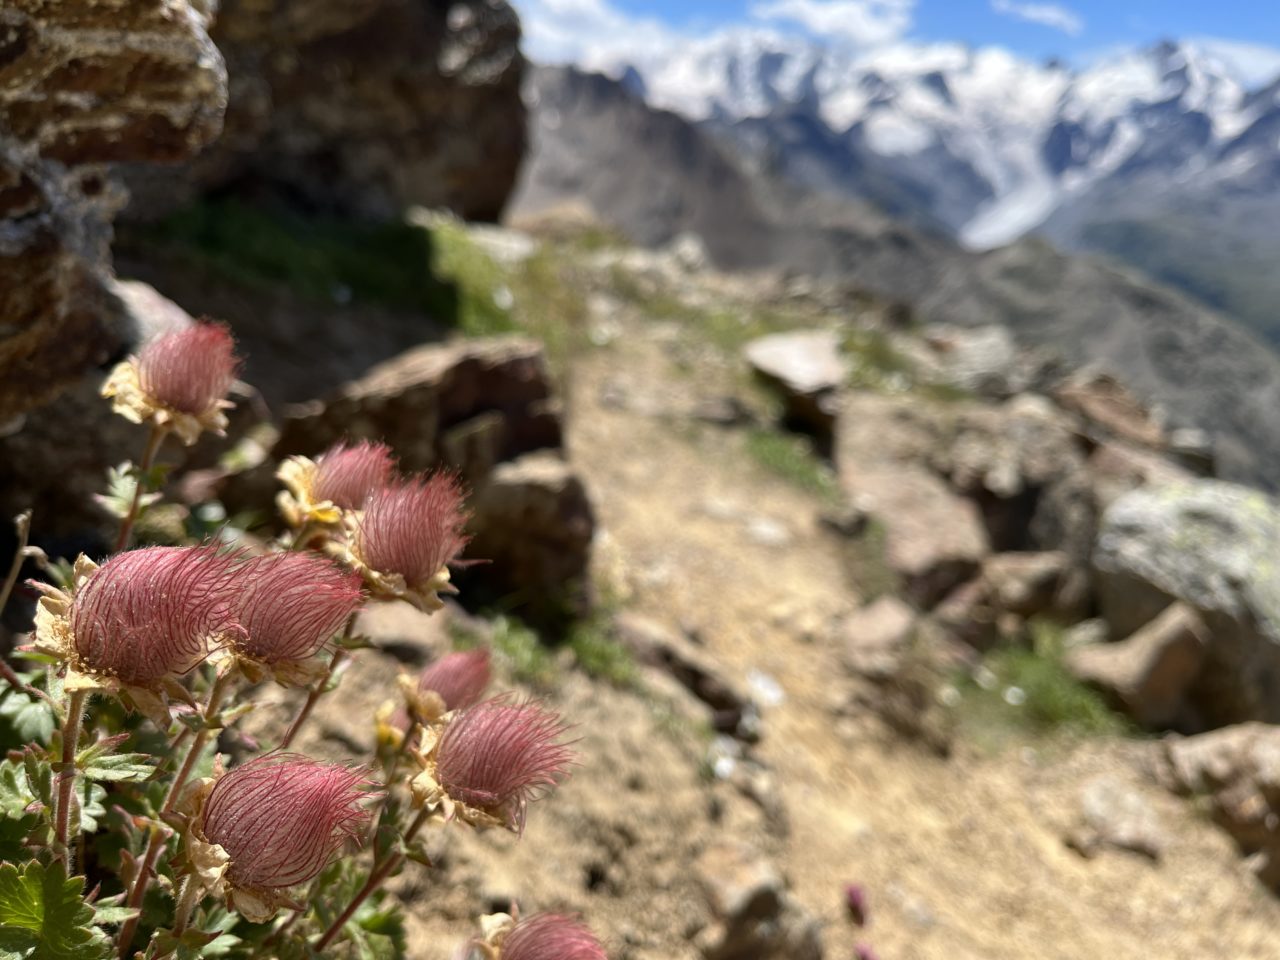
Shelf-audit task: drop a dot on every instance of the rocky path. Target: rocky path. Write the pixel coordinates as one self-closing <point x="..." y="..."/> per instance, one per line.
<point x="961" y="857"/>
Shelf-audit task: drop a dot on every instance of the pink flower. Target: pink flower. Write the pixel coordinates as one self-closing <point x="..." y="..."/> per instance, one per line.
<point x="459" y="678"/>
<point x="346" y="475"/>
<point x="155" y="612"/>
<point x="291" y="604"/>
<point x="189" y="370"/>
<point x="864" y="951"/>
<point x="499" y="755"/>
<point x="281" y="818"/>
<point x="855" y="901"/>
<point x="413" y="528"/>
<point x="549" y="936"/>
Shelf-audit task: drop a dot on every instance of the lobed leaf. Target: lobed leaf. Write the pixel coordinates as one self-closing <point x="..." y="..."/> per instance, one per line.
<point x="43" y="915"/>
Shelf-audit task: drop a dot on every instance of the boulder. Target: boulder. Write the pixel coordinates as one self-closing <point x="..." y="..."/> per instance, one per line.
<point x="808" y="370"/>
<point x="1150" y="673"/>
<point x="754" y="918"/>
<point x="933" y="538"/>
<point x="1238" y="770"/>
<point x="533" y="525"/>
<point x="1036" y="584"/>
<point x="876" y="637"/>
<point x="1212" y="546"/>
<point x="980" y="360"/>
<point x="363" y="106"/>
<point x="84" y="83"/>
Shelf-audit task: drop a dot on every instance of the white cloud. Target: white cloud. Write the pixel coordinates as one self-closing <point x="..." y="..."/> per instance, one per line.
<point x="590" y="33"/>
<point x="1045" y="14"/>
<point x="862" y="23"/>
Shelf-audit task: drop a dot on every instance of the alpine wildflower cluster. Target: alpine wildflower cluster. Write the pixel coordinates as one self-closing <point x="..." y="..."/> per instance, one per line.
<point x="261" y="851"/>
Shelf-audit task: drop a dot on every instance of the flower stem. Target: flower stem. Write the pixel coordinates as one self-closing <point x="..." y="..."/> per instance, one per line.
<point x="154" y="841"/>
<point x="318" y="690"/>
<point x="22" y="524"/>
<point x="154" y="439"/>
<point x="377" y="876"/>
<point x="187" y="901"/>
<point x="130" y="927"/>
<point x="67" y="777"/>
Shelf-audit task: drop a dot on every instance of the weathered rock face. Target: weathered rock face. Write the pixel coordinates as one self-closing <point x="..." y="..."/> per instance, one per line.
<point x="82" y="84"/>
<point x="1212" y="546"/>
<point x="365" y="106"/>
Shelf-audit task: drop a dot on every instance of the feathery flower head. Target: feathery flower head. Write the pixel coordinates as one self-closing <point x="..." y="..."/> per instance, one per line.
<point x="341" y="478"/>
<point x="408" y="534"/>
<point x="544" y="936"/>
<point x="485" y="764"/>
<point x="140" y="621"/>
<point x="454" y="682"/>
<point x="178" y="381"/>
<point x="290" y="605"/>
<point x="271" y="824"/>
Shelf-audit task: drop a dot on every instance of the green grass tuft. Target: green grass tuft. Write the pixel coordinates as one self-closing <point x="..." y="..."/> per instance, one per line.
<point x="600" y="655"/>
<point x="1055" y="703"/>
<point x="792" y="458"/>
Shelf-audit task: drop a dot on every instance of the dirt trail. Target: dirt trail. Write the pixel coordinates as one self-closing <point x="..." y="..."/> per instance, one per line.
<point x="962" y="857"/>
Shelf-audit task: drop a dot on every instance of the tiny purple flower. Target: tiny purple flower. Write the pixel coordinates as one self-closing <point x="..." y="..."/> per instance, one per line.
<point x="855" y="901"/>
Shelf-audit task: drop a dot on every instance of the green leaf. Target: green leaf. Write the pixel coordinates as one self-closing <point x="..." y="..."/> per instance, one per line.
<point x="112" y="915"/>
<point x="32" y="720"/>
<point x="13" y="837"/>
<point x="119" y="767"/>
<point x="14" y="792"/>
<point x="89" y="807"/>
<point x="43" y="915"/>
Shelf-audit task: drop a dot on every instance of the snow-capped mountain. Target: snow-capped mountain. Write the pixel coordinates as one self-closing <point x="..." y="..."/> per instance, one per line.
<point x="993" y="144"/>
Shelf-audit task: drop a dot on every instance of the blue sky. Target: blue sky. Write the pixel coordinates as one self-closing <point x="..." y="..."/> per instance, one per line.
<point x="1073" y="30"/>
<point x="1103" y="24"/>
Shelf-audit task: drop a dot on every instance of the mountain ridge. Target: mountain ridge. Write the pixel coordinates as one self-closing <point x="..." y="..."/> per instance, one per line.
<point x="646" y="172"/>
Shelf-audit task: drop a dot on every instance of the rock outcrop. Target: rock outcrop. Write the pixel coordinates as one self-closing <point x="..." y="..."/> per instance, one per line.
<point x="363" y="106"/>
<point x="84" y="83"/>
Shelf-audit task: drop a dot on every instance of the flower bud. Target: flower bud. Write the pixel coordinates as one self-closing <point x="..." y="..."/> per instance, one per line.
<point x="189" y="370"/>
<point x="458" y="679"/>
<point x="346" y="475"/>
<point x="499" y="755"/>
<point x="408" y="534"/>
<point x="291" y="604"/>
<point x="281" y="818"/>
<point x="152" y="613"/>
<point x="549" y="936"/>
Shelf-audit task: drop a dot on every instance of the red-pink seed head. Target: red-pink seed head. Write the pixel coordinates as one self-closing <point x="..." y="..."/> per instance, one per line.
<point x="346" y="474"/>
<point x="291" y="604"/>
<point x="189" y="370"/>
<point x="550" y="936"/>
<point x="154" y="612"/>
<point x="459" y="678"/>
<point x="281" y="817"/>
<point x="499" y="755"/>
<point x="414" y="528"/>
